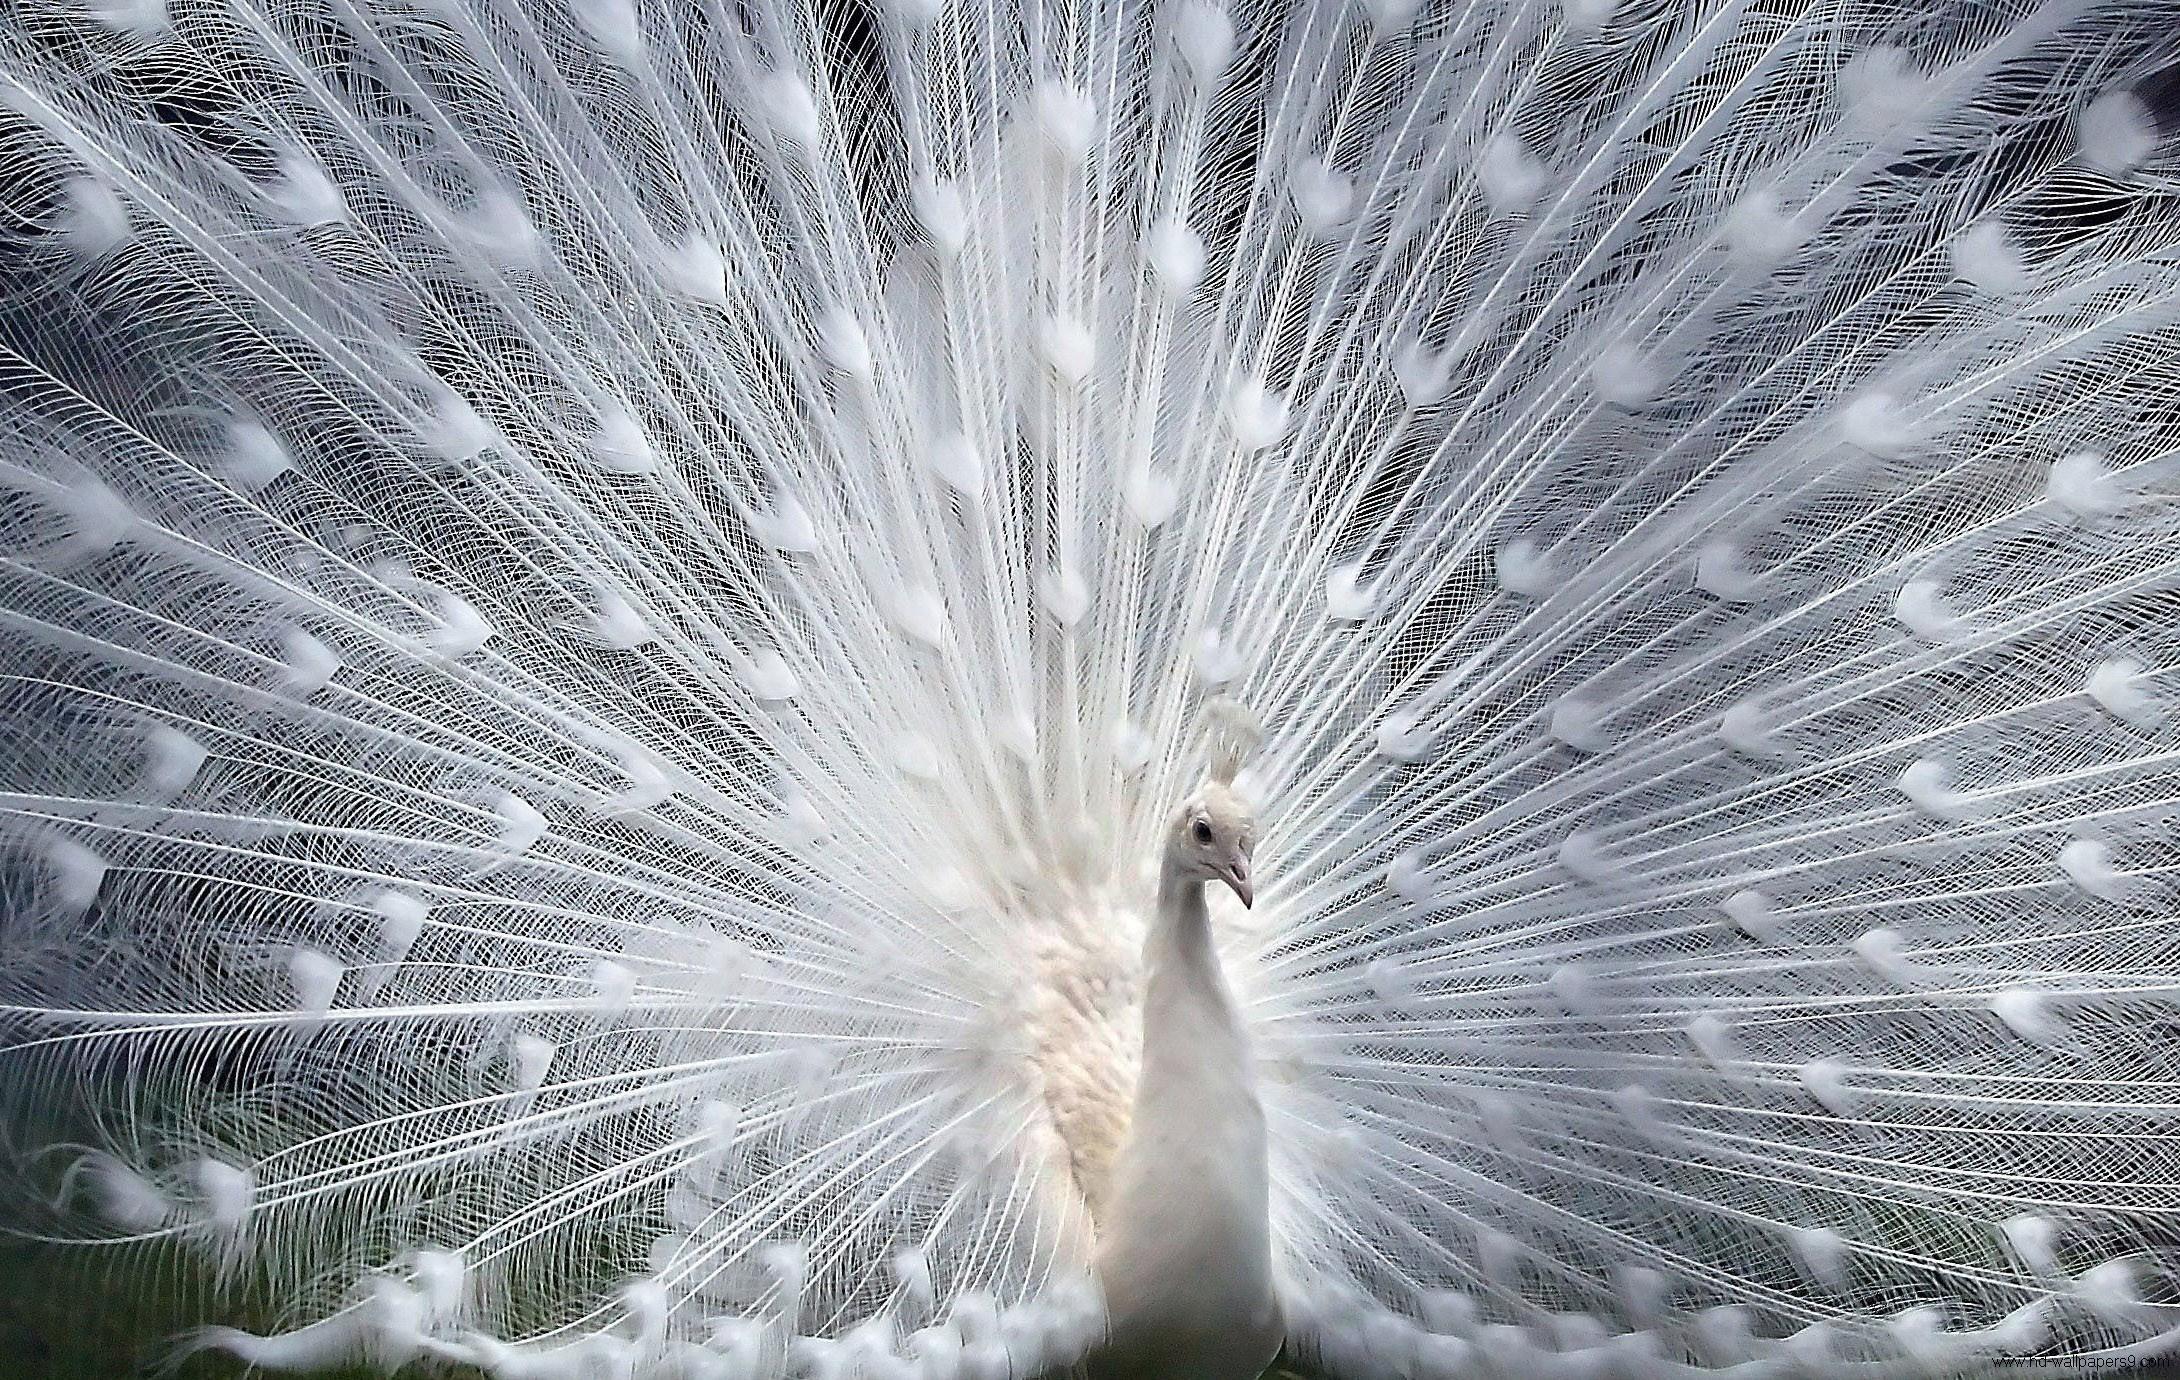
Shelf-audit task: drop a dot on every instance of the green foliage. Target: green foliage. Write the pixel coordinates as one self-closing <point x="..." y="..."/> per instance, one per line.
<point x="65" y="1316"/>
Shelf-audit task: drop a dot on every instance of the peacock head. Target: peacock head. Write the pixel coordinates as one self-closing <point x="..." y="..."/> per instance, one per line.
<point x="1213" y="836"/>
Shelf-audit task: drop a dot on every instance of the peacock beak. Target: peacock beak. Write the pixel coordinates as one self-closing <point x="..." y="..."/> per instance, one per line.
<point x="1236" y="875"/>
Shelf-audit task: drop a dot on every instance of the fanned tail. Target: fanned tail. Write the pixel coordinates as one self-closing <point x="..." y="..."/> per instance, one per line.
<point x="603" y="602"/>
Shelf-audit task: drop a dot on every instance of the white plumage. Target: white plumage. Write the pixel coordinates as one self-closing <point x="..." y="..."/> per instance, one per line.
<point x="607" y="607"/>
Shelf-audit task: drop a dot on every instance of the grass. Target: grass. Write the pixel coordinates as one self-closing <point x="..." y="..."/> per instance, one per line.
<point x="63" y="1318"/>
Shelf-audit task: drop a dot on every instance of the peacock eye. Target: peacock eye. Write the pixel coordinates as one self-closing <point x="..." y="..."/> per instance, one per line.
<point x="1203" y="831"/>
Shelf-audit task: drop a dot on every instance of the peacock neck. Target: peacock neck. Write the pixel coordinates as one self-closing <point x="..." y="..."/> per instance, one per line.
<point x="1185" y="1257"/>
<point x="1195" y="1054"/>
<point x="1196" y="1059"/>
<point x="1188" y="1009"/>
<point x="1178" y="944"/>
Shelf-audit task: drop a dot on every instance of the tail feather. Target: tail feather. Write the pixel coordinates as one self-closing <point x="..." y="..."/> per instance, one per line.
<point x="605" y="602"/>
